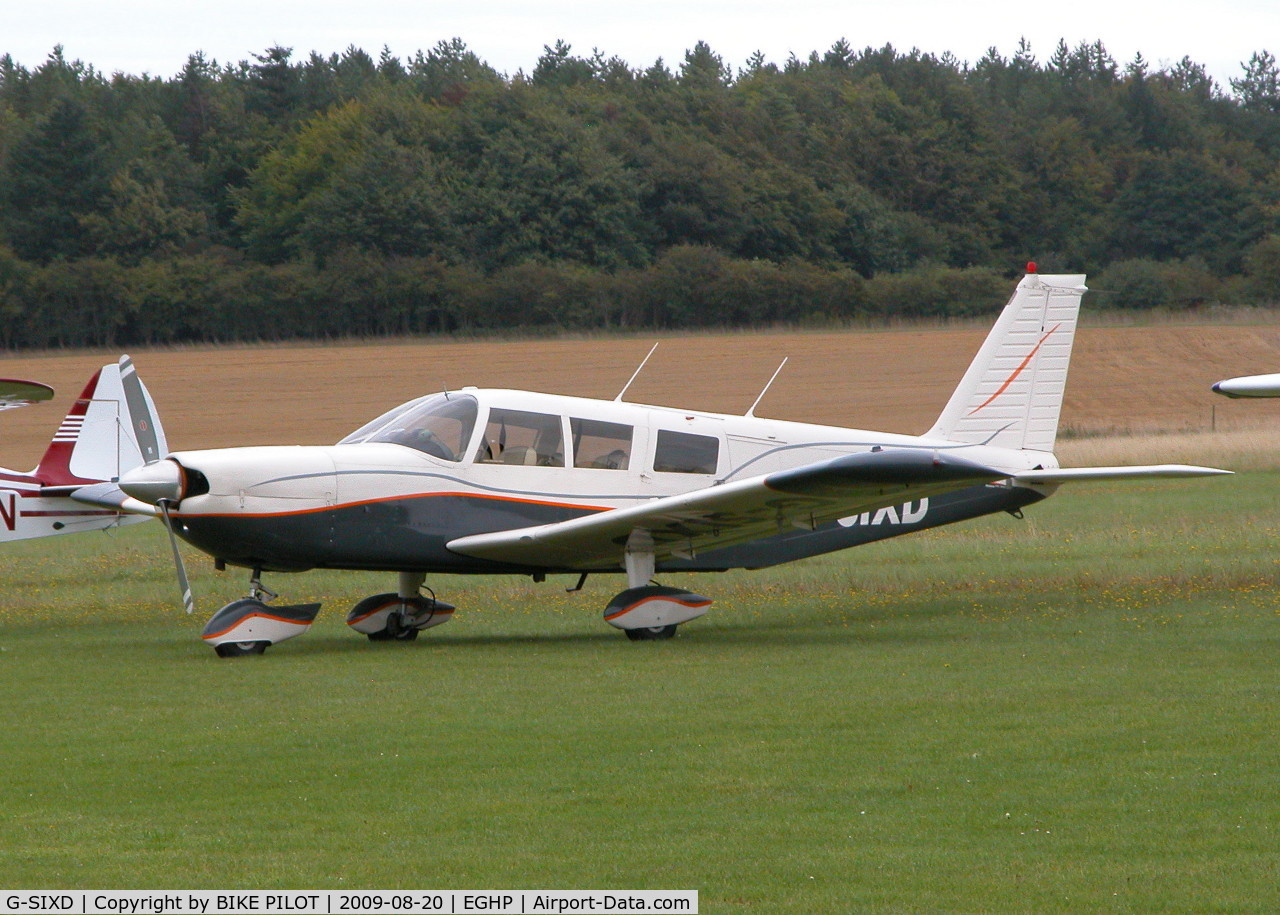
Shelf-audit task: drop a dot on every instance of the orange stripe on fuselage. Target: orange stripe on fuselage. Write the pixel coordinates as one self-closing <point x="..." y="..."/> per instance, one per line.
<point x="419" y="495"/>
<point x="1016" y="372"/>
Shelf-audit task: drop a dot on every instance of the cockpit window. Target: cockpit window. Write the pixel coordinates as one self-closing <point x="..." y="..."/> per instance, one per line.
<point x="519" y="437"/>
<point x="439" y="425"/>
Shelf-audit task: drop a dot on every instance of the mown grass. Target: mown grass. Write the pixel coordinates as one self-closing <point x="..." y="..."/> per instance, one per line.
<point x="1075" y="712"/>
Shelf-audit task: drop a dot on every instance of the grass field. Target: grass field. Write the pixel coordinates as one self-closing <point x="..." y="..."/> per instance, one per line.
<point x="1075" y="712"/>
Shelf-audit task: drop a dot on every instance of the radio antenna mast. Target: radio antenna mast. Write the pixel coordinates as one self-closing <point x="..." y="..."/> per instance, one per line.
<point x="752" y="412"/>
<point x="618" y="399"/>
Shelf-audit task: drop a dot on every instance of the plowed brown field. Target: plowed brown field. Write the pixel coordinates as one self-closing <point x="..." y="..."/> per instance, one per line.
<point x="1123" y="379"/>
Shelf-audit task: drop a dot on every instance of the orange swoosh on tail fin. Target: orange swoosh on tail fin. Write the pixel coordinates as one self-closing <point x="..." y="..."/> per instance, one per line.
<point x="1016" y="372"/>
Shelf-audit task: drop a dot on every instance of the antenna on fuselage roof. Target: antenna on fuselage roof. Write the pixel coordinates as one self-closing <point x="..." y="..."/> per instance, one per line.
<point x="618" y="399"/>
<point x="778" y="371"/>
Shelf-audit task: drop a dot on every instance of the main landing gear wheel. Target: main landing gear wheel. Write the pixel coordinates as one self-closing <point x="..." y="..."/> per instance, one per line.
<point x="392" y="618"/>
<point x="651" y="633"/>
<point x="396" y="631"/>
<point x="240" y="649"/>
<point x="650" y="613"/>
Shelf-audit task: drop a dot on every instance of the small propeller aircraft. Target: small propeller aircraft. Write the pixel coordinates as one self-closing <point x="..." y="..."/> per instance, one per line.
<point x="109" y="430"/>
<point x="516" y="482"/>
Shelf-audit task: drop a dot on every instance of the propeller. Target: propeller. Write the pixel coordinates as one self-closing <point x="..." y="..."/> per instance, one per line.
<point x="188" y="602"/>
<point x="161" y="483"/>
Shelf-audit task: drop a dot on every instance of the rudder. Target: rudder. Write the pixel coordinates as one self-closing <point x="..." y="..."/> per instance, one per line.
<point x="1011" y="395"/>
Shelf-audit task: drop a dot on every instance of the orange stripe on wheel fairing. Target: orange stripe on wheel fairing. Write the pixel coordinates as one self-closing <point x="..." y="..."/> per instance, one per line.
<point x="1016" y="372"/>
<point x="253" y="616"/>
<point x="388" y="604"/>
<point x="692" y="604"/>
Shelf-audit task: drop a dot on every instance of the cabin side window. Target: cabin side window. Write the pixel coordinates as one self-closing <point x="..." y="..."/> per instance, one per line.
<point x="600" y="445"/>
<point x="683" y="452"/>
<point x="521" y="438"/>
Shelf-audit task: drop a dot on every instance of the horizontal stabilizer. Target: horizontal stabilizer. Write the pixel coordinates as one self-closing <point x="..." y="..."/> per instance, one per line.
<point x="109" y="495"/>
<point x="1096" y="474"/>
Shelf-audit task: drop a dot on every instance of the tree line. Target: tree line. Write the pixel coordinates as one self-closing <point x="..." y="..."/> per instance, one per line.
<point x="285" y="197"/>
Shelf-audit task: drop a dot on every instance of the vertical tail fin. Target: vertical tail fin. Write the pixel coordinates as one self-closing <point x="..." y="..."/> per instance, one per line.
<point x="111" y="428"/>
<point x="1012" y="393"/>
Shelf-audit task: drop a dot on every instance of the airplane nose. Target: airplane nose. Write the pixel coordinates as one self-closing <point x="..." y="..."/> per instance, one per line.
<point x="155" y="482"/>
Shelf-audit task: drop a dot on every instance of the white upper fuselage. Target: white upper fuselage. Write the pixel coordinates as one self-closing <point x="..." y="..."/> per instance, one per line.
<point x="287" y="479"/>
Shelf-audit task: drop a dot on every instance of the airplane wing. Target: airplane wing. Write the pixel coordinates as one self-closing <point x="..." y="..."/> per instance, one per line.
<point x="720" y="516"/>
<point x="1100" y="474"/>
<point x="17" y="393"/>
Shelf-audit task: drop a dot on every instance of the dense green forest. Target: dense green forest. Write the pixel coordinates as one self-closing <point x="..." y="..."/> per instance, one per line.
<point x="351" y="195"/>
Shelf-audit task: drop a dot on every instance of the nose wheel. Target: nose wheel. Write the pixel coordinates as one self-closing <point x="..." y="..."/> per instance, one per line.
<point x="240" y="649"/>
<point x="249" y="626"/>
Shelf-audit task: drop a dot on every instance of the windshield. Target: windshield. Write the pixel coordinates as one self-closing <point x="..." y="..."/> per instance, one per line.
<point x="438" y="425"/>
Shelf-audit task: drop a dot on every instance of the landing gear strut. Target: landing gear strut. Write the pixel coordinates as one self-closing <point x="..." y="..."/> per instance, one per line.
<point x="399" y="616"/>
<point x="248" y="626"/>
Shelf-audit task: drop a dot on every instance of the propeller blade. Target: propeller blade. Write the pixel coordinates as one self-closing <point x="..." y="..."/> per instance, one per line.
<point x="188" y="602"/>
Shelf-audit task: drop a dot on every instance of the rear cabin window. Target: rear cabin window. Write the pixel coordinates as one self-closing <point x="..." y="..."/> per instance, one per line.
<point x="604" y="446"/>
<point x="683" y="452"/>
<point x="523" y="439"/>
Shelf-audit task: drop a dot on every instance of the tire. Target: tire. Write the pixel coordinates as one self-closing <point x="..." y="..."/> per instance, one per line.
<point x="651" y="634"/>
<point x="240" y="649"/>
<point x="404" y="635"/>
<point x="393" y="632"/>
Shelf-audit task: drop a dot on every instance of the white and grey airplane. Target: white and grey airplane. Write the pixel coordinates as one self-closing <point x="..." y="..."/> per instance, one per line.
<point x="517" y="482"/>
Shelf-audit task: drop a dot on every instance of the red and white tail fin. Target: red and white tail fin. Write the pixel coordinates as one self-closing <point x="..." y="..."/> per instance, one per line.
<point x="1011" y="395"/>
<point x="111" y="428"/>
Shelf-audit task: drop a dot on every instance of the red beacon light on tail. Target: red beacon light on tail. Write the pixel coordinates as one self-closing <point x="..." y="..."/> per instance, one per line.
<point x="1031" y="266"/>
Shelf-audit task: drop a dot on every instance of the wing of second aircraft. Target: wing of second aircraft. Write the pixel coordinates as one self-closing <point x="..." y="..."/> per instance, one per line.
<point x="732" y="513"/>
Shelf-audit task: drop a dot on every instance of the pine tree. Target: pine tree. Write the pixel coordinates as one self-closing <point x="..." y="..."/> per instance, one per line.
<point x="57" y="177"/>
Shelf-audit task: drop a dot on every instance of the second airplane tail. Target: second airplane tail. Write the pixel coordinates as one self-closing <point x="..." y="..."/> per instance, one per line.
<point x="111" y="428"/>
<point x="1011" y="395"/>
